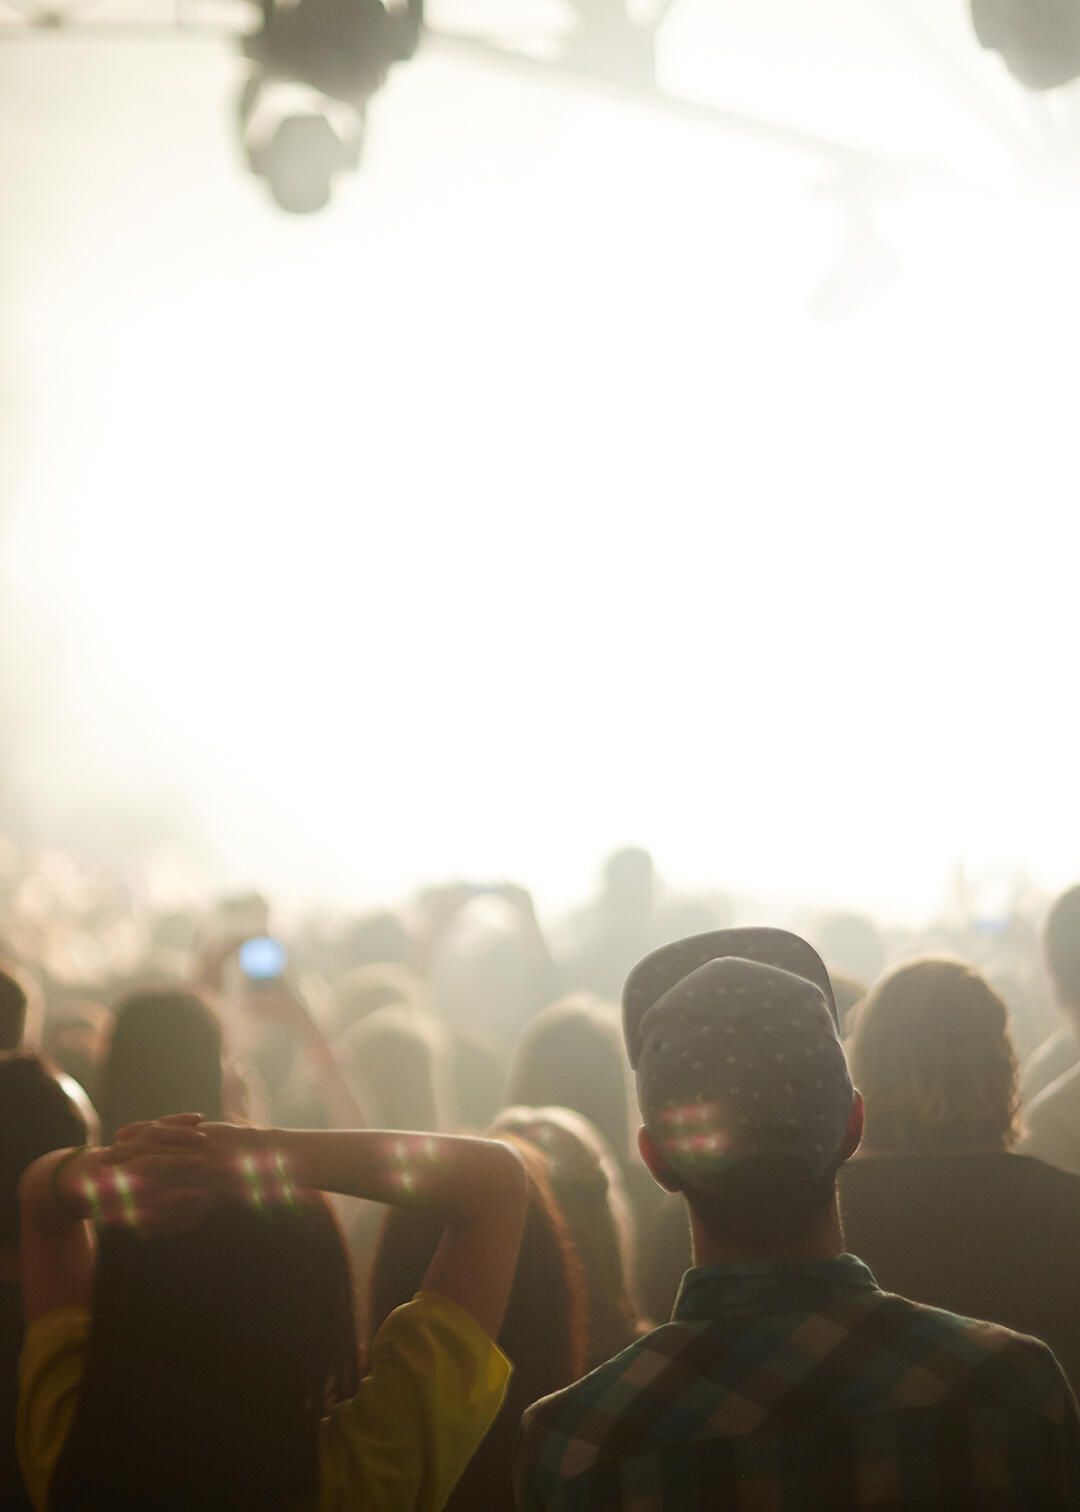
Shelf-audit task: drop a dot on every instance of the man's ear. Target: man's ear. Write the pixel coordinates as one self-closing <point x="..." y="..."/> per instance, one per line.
<point x="853" y="1137"/>
<point x="655" y="1162"/>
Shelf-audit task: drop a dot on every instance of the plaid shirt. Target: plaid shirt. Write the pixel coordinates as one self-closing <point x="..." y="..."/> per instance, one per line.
<point x="795" y="1385"/>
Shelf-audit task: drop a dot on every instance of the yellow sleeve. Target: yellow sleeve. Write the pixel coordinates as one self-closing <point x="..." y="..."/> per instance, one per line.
<point x="434" y="1388"/>
<point x="50" y="1373"/>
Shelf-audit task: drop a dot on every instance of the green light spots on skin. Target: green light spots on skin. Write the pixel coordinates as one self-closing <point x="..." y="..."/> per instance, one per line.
<point x="253" y="1185"/>
<point x="268" y="1181"/>
<point x="90" y="1192"/>
<point x="127" y="1199"/>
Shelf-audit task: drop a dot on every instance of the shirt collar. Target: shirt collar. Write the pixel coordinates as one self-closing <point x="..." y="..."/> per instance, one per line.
<point x="768" y="1286"/>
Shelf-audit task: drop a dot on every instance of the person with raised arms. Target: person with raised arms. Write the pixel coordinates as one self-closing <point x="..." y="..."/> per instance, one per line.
<point x="203" y="1353"/>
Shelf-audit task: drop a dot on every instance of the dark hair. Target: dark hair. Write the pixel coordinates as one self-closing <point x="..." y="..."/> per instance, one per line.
<point x="164" y="1056"/>
<point x="1061" y="942"/>
<point x="586" y="1184"/>
<point x="932" y="1056"/>
<point x="36" y="1116"/>
<point x="543" y="1331"/>
<point x="18" y="995"/>
<point x="213" y="1355"/>
<point x="572" y="1056"/>
<point x="763" y="1202"/>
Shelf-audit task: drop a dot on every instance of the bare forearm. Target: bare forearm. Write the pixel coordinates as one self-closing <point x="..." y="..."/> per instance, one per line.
<point x="458" y="1178"/>
<point x="57" y="1250"/>
<point x="52" y="1192"/>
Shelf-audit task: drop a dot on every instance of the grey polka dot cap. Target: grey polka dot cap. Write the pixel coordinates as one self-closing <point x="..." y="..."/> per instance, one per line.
<point x="742" y="1058"/>
<point x="661" y="969"/>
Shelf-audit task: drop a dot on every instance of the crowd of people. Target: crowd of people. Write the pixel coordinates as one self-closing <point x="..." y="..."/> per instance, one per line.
<point x="657" y="1207"/>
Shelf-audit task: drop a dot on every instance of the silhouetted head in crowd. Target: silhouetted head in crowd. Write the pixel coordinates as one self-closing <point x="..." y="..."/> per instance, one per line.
<point x="571" y="1055"/>
<point x="382" y="984"/>
<point x="377" y="938"/>
<point x="21" y="1008"/>
<point x="1039" y="40"/>
<point x="851" y="946"/>
<point x="37" y="1114"/>
<point x="543" y="1331"/>
<point x="164" y="1053"/>
<point x="588" y="1190"/>
<point x="401" y="1056"/>
<point x="745" y="1097"/>
<point x="212" y="1358"/>
<point x="933" y="1059"/>
<point x="1061" y="947"/>
<point x="630" y="882"/>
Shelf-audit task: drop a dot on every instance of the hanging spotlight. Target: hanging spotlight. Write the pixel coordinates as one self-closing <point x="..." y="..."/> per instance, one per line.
<point x="1039" y="40"/>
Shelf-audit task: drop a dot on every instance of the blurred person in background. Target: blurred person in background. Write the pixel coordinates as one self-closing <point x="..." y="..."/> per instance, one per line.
<point x="850" y="944"/>
<point x="37" y="1114"/>
<point x="317" y="1087"/>
<point x="476" y="1068"/>
<point x="378" y="937"/>
<point x="489" y="963"/>
<point x="164" y="1052"/>
<point x="1052" y="1115"/>
<point x="542" y="1333"/>
<point x="937" y="1202"/>
<point x="379" y="984"/>
<point x="205" y="1358"/>
<point x="1060" y="1051"/>
<point x="571" y="1056"/>
<point x="607" y="937"/>
<point x="588" y="1190"/>
<point x="401" y="1058"/>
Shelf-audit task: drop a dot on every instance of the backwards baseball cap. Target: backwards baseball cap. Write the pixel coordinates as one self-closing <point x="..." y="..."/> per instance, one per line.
<point x="737" y="1055"/>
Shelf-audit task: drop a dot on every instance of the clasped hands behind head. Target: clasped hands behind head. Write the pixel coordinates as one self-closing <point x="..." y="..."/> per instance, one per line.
<point x="164" y="1176"/>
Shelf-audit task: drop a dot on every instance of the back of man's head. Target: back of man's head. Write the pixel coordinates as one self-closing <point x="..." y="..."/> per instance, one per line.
<point x="743" y="1086"/>
<point x="36" y="1116"/>
<point x="1061" y="944"/>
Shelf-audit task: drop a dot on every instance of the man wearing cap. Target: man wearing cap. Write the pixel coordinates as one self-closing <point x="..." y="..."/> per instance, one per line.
<point x="786" y="1379"/>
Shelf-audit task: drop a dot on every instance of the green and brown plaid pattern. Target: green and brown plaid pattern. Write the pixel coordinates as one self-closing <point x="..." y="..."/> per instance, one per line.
<point x="801" y="1387"/>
